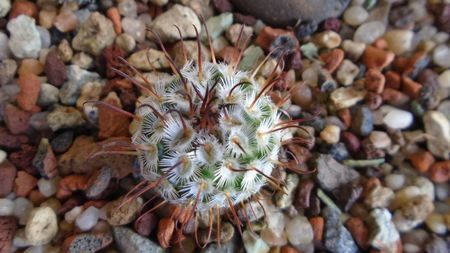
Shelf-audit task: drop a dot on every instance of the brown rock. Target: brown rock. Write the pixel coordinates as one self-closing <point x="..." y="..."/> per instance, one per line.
<point x="229" y="54"/>
<point x="393" y="80"/>
<point x="10" y="141"/>
<point x="8" y="227"/>
<point x="112" y="123"/>
<point x="16" y="120"/>
<point x="222" y="5"/>
<point x="351" y="141"/>
<point x="22" y="158"/>
<point x="440" y="172"/>
<point x="422" y="160"/>
<point x="36" y="197"/>
<point x="123" y="210"/>
<point x="44" y="160"/>
<point x="29" y="91"/>
<point x="47" y="16"/>
<point x="23" y="7"/>
<point x="7" y="175"/>
<point x="288" y="249"/>
<point x="359" y="231"/>
<point x="394" y="97"/>
<point x="317" y="224"/>
<point x="346" y="116"/>
<point x="332" y="59"/>
<point x="98" y="182"/>
<point x="377" y="58"/>
<point x="55" y="69"/>
<point x="114" y="15"/>
<point x="410" y="87"/>
<point x="373" y="100"/>
<point x="109" y="58"/>
<point x="267" y="35"/>
<point x="145" y="224"/>
<point x="24" y="183"/>
<point x="66" y="21"/>
<point x="303" y="195"/>
<point x="30" y="66"/>
<point x="70" y="184"/>
<point x="374" y="81"/>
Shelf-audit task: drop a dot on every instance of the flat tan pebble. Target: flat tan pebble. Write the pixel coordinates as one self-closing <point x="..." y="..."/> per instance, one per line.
<point x="355" y="15"/>
<point x="42" y="226"/>
<point x="399" y="41"/>
<point x="330" y="134"/>
<point x="380" y="139"/>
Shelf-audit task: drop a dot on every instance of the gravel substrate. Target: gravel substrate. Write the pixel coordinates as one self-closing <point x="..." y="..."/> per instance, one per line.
<point x="371" y="77"/>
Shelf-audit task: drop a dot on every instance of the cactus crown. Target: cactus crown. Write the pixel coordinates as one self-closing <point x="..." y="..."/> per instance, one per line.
<point x="210" y="136"/>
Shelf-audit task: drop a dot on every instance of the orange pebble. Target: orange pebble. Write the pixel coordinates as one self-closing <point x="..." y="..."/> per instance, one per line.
<point x="358" y="230"/>
<point x="410" y="87"/>
<point x="70" y="184"/>
<point x="374" y="81"/>
<point x="288" y="249"/>
<point x="317" y="224"/>
<point x="393" y="80"/>
<point x="114" y="15"/>
<point x="332" y="59"/>
<point x="23" y="8"/>
<point x="440" y="172"/>
<point x="377" y="58"/>
<point x="422" y="160"/>
<point x="380" y="43"/>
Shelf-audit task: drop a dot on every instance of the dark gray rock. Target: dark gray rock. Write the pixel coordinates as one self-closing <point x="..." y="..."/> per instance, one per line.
<point x="362" y="121"/>
<point x="288" y="12"/>
<point x="337" y="237"/>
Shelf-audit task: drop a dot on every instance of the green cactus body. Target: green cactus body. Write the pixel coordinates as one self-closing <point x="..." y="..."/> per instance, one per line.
<point x="210" y="139"/>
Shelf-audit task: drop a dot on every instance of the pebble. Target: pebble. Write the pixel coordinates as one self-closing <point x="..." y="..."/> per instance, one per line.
<point x="65" y="51"/>
<point x="72" y="215"/>
<point x="285" y="199"/>
<point x="83" y="60"/>
<point x="328" y="39"/>
<point x="140" y="60"/>
<point x="440" y="172"/>
<point x="399" y="41"/>
<point x="217" y="25"/>
<point x="88" y="219"/>
<point x="362" y="123"/>
<point x="383" y="235"/>
<point x="337" y="238"/>
<point x="444" y="79"/>
<point x="96" y="33"/>
<point x="438" y="126"/>
<point x="436" y="223"/>
<point x="251" y="56"/>
<point x="346" y="97"/>
<point x="135" y="28"/>
<point x="368" y="32"/>
<point x="6" y="207"/>
<point x="299" y="231"/>
<point x="127" y="8"/>
<point x="25" y="40"/>
<point x="377" y="58"/>
<point x="8" y="228"/>
<point x="42" y="226"/>
<point x="3" y="156"/>
<point x="126" y="42"/>
<point x="47" y="187"/>
<point x="379" y="197"/>
<point x="88" y="242"/>
<point x="124" y="215"/>
<point x="66" y="21"/>
<point x="4" y="48"/>
<point x="355" y="15"/>
<point x="179" y="15"/>
<point x="24" y="183"/>
<point x="347" y="72"/>
<point x="380" y="139"/>
<point x="48" y="95"/>
<point x="22" y="209"/>
<point x="30" y="86"/>
<point x="232" y="33"/>
<point x="395" y="118"/>
<point x="8" y="69"/>
<point x="395" y="181"/>
<point x="55" y="69"/>
<point x="191" y="52"/>
<point x="353" y="50"/>
<point x="129" y="241"/>
<point x="413" y="212"/>
<point x="65" y="117"/>
<point x="330" y="134"/>
<point x="332" y="174"/>
<point x="44" y="160"/>
<point x="5" y="6"/>
<point x="441" y="56"/>
<point x="77" y="78"/>
<point x="253" y="243"/>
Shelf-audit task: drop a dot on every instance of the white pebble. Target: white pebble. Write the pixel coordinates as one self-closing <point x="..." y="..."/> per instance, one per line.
<point x="399" y="41"/>
<point x="48" y="187"/>
<point x="71" y="215"/>
<point x="380" y="139"/>
<point x="441" y="56"/>
<point x="353" y="49"/>
<point x="436" y="223"/>
<point x="2" y="156"/>
<point x="127" y="8"/>
<point x="4" y="49"/>
<point x="395" y="118"/>
<point x="444" y="79"/>
<point x="355" y="15"/>
<point x="87" y="219"/>
<point x="347" y="72"/>
<point x="5" y="6"/>
<point x="22" y="208"/>
<point x="442" y="191"/>
<point x="394" y="181"/>
<point x="425" y="185"/>
<point x="135" y="28"/>
<point x="25" y="40"/>
<point x="299" y="231"/>
<point x="6" y="207"/>
<point x="368" y="32"/>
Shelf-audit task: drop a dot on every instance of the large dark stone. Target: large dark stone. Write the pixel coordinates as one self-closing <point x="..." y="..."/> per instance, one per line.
<point x="288" y="12"/>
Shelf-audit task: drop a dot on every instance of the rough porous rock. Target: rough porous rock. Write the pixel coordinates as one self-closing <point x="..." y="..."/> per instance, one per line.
<point x="179" y="15"/>
<point x="88" y="242"/>
<point x="7" y="174"/>
<point x="55" y="69"/>
<point x="96" y="33"/>
<point x="25" y="40"/>
<point x="414" y="212"/>
<point x="16" y="120"/>
<point x="129" y="241"/>
<point x="65" y="117"/>
<point x="125" y="214"/>
<point x="331" y="174"/>
<point x="42" y="226"/>
<point x="8" y="227"/>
